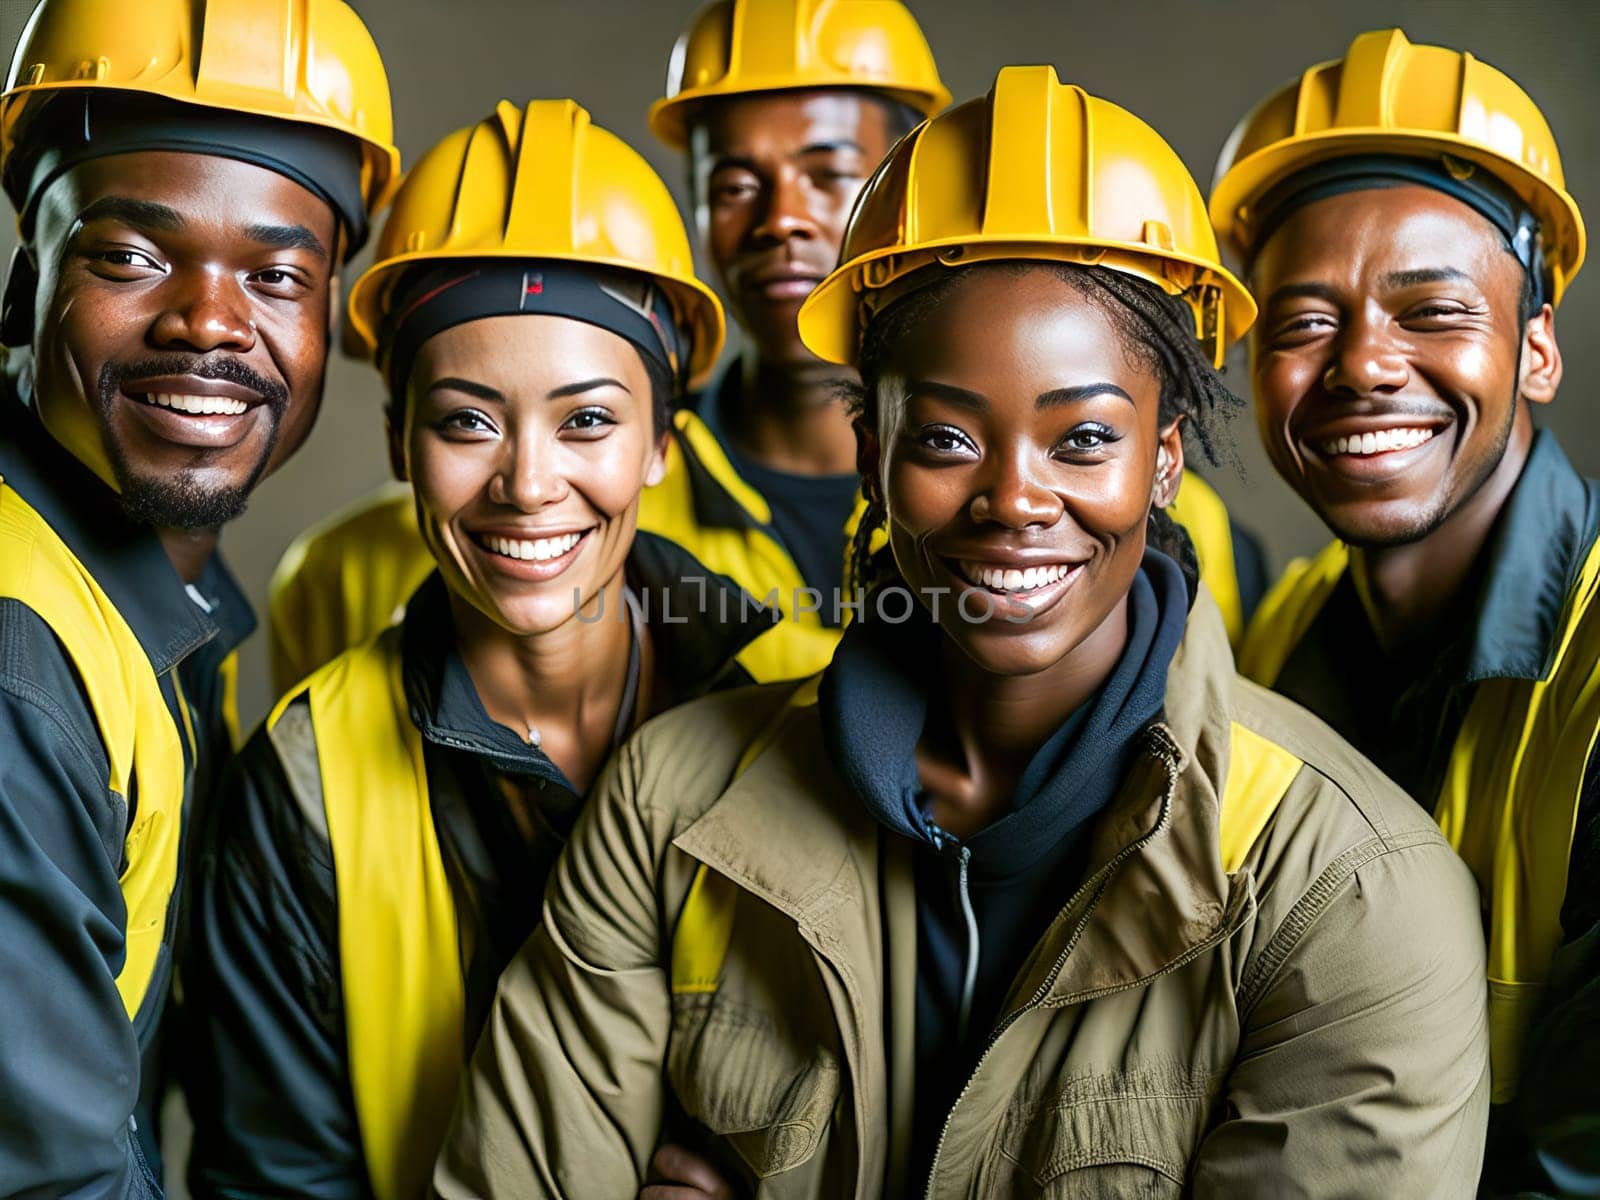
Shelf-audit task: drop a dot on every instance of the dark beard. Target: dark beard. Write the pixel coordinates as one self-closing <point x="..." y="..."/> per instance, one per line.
<point x="178" y="502"/>
<point x="1435" y="520"/>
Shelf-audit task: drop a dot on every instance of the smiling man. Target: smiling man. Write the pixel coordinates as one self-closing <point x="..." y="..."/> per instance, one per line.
<point x="1408" y="234"/>
<point x="187" y="185"/>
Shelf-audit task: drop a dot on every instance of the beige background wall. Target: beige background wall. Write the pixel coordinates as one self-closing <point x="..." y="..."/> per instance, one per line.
<point x="1189" y="68"/>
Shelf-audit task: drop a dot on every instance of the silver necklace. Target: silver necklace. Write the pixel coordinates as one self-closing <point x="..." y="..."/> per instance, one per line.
<point x="630" y="690"/>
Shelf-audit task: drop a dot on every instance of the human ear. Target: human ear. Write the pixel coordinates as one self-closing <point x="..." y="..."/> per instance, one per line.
<point x="657" y="470"/>
<point x="1169" y="464"/>
<point x="396" y="437"/>
<point x="1541" y="358"/>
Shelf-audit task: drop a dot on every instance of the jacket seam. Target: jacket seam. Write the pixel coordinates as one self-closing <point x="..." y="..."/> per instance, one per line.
<point x="1311" y="905"/>
<point x="41" y="702"/>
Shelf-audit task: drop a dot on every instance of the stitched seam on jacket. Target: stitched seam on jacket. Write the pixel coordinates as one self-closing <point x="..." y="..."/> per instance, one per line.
<point x="1311" y="905"/>
<point x="42" y="703"/>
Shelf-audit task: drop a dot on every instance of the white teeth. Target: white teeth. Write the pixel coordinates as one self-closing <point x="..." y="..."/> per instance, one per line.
<point x="198" y="405"/>
<point x="1002" y="579"/>
<point x="1378" y="442"/>
<point x="538" y="550"/>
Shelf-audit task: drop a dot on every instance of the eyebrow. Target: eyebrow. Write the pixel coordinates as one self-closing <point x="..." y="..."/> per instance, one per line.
<point x="832" y="147"/>
<point x="1054" y="398"/>
<point x="455" y="383"/>
<point x="146" y="214"/>
<point x="1299" y="291"/>
<point x="725" y="162"/>
<point x="958" y="396"/>
<point x="1416" y="278"/>
<point x="483" y="391"/>
<point x="587" y="385"/>
<point x="1395" y="279"/>
<point x="1057" y="397"/>
<point x="287" y="237"/>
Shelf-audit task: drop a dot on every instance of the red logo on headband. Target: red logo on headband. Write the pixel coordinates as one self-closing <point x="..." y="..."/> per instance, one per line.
<point x="532" y="284"/>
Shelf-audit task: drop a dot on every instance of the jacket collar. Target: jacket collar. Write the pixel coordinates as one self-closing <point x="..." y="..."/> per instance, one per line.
<point x="1533" y="557"/>
<point x="789" y="830"/>
<point x="125" y="557"/>
<point x="695" y="652"/>
<point x="722" y="497"/>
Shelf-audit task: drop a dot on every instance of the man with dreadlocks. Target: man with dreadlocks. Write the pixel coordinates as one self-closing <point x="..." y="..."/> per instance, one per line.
<point x="1027" y="889"/>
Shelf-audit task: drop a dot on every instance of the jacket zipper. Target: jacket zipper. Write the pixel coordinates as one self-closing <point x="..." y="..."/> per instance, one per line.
<point x="1097" y="882"/>
<point x="969" y="979"/>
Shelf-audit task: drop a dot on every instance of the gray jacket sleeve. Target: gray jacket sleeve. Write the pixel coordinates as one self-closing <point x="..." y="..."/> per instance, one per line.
<point x="69" y="1058"/>
<point x="268" y="1075"/>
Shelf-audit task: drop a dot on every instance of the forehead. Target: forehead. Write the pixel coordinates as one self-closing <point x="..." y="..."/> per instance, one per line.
<point x="787" y="122"/>
<point x="1026" y="329"/>
<point x="529" y="351"/>
<point x="1358" y="235"/>
<point x="203" y="191"/>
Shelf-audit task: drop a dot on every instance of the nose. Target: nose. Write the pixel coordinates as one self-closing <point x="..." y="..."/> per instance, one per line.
<point x="207" y="310"/>
<point x="1366" y="361"/>
<point x="529" y="476"/>
<point x="1014" y="497"/>
<point x="787" y="212"/>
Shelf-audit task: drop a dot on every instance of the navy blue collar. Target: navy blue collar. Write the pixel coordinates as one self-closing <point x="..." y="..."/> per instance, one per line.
<point x="1531" y="561"/>
<point x="125" y="557"/>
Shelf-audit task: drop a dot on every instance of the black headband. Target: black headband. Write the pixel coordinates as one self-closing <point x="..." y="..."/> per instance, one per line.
<point x="76" y="126"/>
<point x="440" y="296"/>
<point x="1471" y="185"/>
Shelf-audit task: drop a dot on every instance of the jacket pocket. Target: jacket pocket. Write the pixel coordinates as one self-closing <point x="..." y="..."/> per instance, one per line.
<point x="768" y="1094"/>
<point x="1111" y="1136"/>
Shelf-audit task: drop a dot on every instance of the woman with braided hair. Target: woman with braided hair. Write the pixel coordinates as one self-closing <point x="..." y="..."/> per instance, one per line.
<point x="1026" y="894"/>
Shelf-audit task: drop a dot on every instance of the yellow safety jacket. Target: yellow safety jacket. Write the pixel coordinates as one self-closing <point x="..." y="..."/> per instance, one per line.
<point x="343" y="580"/>
<point x="141" y="739"/>
<point x="399" y="938"/>
<point x="398" y="941"/>
<point x="1510" y="796"/>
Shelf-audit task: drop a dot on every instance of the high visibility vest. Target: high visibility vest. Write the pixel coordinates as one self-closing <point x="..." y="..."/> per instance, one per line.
<point x="747" y="550"/>
<point x="1201" y="512"/>
<point x="1509" y="801"/>
<point x="343" y="581"/>
<point x="1259" y="774"/>
<point x="399" y="956"/>
<point x="141" y="738"/>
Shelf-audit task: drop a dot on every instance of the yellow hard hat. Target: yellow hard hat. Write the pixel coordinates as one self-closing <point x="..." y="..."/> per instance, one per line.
<point x="1388" y="96"/>
<point x="540" y="183"/>
<point x="1038" y="170"/>
<point x="733" y="47"/>
<point x="312" y="62"/>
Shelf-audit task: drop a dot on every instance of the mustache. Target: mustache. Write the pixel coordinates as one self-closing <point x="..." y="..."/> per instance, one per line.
<point x="223" y="367"/>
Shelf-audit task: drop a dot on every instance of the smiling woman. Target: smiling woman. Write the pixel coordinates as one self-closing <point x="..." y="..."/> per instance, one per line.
<point x="400" y="810"/>
<point x="1027" y="893"/>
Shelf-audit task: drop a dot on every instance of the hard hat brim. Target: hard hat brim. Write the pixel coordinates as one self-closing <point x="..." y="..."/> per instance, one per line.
<point x="381" y="159"/>
<point x="830" y="319"/>
<point x="669" y="117"/>
<point x="1253" y="177"/>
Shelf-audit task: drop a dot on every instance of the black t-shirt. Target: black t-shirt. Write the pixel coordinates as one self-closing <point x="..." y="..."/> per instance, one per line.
<point x="810" y="512"/>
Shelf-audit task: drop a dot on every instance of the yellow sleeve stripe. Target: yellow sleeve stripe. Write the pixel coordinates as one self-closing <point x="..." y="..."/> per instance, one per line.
<point x="1259" y="774"/>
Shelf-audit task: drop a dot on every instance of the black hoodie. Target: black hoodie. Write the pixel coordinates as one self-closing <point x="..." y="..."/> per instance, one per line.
<point x="984" y="902"/>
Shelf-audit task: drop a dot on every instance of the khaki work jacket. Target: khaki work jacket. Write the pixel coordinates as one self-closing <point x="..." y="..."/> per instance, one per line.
<point x="1312" y="1024"/>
